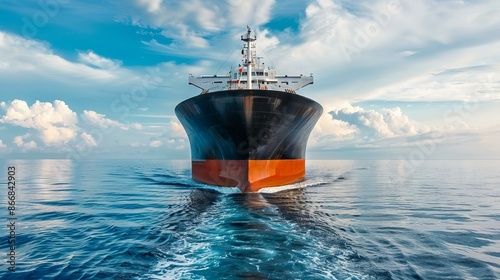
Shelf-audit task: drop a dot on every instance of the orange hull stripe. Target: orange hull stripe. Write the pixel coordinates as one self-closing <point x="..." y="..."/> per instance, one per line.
<point x="249" y="175"/>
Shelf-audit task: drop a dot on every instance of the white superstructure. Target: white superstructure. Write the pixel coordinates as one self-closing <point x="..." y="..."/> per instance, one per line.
<point x="251" y="75"/>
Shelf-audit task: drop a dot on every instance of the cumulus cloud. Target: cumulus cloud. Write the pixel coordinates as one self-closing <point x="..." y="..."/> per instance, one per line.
<point x="2" y="145"/>
<point x="190" y="22"/>
<point x="345" y="125"/>
<point x="175" y="129"/>
<point x="379" y="124"/>
<point x="56" y="125"/>
<point x="92" y="59"/>
<point x="55" y="122"/>
<point x="88" y="139"/>
<point x="101" y="121"/>
<point x="155" y="143"/>
<point x="19" y="141"/>
<point x="178" y="143"/>
<point x="186" y="22"/>
<point x="329" y="131"/>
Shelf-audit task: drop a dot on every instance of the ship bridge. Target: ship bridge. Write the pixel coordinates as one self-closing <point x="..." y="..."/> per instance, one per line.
<point x="251" y="74"/>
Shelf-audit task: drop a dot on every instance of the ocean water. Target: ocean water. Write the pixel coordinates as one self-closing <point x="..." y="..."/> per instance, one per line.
<point x="146" y="219"/>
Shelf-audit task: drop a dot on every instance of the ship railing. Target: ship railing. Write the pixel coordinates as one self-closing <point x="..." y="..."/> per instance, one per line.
<point x="243" y="86"/>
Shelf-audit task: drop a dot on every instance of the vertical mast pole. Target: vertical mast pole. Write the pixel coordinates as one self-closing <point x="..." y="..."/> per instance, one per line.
<point x="249" y="59"/>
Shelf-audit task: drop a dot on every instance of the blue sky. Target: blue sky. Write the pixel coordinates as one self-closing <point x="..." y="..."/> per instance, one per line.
<point x="398" y="79"/>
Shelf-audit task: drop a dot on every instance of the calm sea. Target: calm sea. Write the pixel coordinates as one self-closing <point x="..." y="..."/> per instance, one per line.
<point x="348" y="220"/>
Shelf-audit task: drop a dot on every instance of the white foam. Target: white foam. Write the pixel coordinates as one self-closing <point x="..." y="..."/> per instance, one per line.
<point x="299" y="185"/>
<point x="219" y="189"/>
<point x="233" y="190"/>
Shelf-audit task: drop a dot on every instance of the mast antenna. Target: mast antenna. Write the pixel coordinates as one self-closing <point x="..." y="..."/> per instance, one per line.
<point x="249" y="59"/>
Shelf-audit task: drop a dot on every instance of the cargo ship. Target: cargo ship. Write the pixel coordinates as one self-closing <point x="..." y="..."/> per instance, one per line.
<point x="249" y="128"/>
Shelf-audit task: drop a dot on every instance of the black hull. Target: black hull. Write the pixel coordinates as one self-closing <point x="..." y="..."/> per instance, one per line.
<point x="248" y="124"/>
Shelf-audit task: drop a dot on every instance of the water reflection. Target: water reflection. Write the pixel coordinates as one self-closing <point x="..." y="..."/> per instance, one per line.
<point x="43" y="191"/>
<point x="44" y="180"/>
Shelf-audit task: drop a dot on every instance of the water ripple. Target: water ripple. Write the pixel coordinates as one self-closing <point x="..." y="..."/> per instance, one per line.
<point x="347" y="220"/>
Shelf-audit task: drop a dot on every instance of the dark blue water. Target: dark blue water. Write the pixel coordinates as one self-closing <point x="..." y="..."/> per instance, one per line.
<point x="348" y="220"/>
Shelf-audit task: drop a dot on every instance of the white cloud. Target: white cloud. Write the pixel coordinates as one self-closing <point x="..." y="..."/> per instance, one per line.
<point x="55" y="122"/>
<point x="30" y="145"/>
<point x="93" y="59"/>
<point x="189" y="22"/>
<point x="2" y="145"/>
<point x="329" y="131"/>
<point x="253" y="13"/>
<point x="171" y="137"/>
<point x="38" y="60"/>
<point x="88" y="139"/>
<point x="19" y="141"/>
<point x="137" y="126"/>
<point x="406" y="53"/>
<point x="394" y="58"/>
<point x="136" y="144"/>
<point x="177" y="143"/>
<point x="474" y="83"/>
<point x="175" y="129"/>
<point x="155" y="143"/>
<point x="403" y="61"/>
<point x="152" y="6"/>
<point x="391" y="132"/>
<point x="379" y="124"/>
<point x="101" y="120"/>
<point x="345" y="125"/>
<point x="58" y="126"/>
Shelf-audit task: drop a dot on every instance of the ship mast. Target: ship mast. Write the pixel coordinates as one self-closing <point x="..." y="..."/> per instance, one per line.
<point x="249" y="60"/>
<point x="266" y="79"/>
